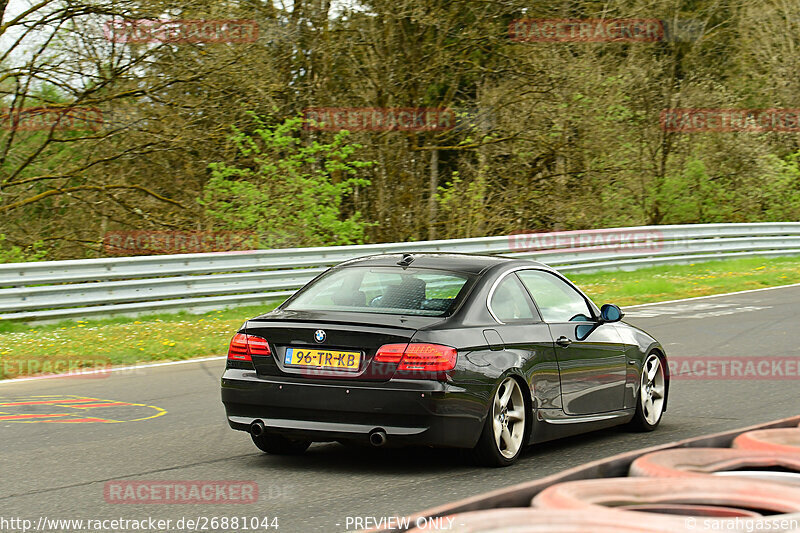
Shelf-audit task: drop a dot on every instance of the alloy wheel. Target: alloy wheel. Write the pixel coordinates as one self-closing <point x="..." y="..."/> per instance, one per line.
<point x="508" y="418"/>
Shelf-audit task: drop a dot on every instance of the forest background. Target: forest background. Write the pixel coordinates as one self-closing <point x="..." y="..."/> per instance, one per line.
<point x="214" y="135"/>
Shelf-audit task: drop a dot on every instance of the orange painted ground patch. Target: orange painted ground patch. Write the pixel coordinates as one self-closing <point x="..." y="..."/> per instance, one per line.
<point x="24" y="417"/>
<point x="68" y="409"/>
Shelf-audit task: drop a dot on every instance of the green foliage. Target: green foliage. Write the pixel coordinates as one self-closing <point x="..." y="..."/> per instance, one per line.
<point x="691" y="195"/>
<point x="290" y="191"/>
<point x="695" y="196"/>
<point x="781" y="189"/>
<point x="16" y="254"/>
<point x="462" y="206"/>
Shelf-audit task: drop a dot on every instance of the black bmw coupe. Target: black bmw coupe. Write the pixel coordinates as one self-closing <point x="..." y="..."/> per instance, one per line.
<point x="439" y="349"/>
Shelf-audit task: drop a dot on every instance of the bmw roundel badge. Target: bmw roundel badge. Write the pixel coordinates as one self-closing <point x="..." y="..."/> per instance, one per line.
<point x="319" y="335"/>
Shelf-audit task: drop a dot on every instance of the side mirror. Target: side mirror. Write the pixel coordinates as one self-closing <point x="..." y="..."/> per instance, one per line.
<point x="611" y="313"/>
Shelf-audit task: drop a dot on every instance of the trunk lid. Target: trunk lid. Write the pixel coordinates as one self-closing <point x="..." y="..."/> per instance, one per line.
<point x="292" y="334"/>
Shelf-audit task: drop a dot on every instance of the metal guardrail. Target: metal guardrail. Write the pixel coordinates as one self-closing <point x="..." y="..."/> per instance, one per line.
<point x="53" y="290"/>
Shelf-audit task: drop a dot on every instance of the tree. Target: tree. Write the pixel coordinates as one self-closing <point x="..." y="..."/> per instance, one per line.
<point x="290" y="192"/>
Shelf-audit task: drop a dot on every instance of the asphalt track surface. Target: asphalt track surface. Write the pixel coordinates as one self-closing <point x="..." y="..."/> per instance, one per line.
<point x="59" y="470"/>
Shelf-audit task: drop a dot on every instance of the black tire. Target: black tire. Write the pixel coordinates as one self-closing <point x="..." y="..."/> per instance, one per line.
<point x="488" y="451"/>
<point x="649" y="414"/>
<point x="279" y="445"/>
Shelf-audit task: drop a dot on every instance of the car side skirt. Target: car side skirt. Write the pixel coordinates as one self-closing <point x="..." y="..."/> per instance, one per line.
<point x="551" y="424"/>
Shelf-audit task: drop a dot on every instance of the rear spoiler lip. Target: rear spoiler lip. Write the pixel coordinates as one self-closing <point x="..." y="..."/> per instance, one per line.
<point x="403" y="322"/>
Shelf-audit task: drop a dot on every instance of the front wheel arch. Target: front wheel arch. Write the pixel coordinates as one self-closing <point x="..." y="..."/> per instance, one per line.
<point x="640" y="421"/>
<point x="661" y="355"/>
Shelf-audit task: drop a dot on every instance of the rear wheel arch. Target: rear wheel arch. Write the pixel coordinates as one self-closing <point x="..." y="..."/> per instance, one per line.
<point x="488" y="450"/>
<point x="528" y="397"/>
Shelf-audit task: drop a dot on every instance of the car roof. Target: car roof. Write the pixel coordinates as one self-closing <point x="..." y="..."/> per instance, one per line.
<point x="466" y="263"/>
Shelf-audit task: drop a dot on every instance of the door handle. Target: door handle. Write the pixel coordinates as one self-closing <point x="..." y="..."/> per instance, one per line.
<point x="563" y="341"/>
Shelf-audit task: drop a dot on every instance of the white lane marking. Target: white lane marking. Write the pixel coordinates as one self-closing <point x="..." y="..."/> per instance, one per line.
<point x="713" y="296"/>
<point x="695" y="310"/>
<point x="132" y="368"/>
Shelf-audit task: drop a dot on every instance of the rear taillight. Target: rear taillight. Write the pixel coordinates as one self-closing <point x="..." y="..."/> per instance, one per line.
<point x="244" y="346"/>
<point x="428" y="358"/>
<point x="238" y="348"/>
<point x="418" y="357"/>
<point x="257" y="345"/>
<point x="390" y="353"/>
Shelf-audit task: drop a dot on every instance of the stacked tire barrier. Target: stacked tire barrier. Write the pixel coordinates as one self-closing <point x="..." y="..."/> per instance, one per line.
<point x="745" y="480"/>
<point x="774" y="440"/>
<point x="699" y="462"/>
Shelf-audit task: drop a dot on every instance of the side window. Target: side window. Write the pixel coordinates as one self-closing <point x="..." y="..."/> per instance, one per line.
<point x="557" y="300"/>
<point x="509" y="302"/>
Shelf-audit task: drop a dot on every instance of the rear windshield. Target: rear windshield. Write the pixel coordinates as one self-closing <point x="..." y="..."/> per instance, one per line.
<point x="390" y="290"/>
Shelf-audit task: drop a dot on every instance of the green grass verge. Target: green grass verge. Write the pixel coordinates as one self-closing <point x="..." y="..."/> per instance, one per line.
<point x="66" y="346"/>
<point x="26" y="350"/>
<point x="672" y="282"/>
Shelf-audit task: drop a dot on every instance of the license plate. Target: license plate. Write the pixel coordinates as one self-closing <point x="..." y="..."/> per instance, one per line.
<point x="334" y="360"/>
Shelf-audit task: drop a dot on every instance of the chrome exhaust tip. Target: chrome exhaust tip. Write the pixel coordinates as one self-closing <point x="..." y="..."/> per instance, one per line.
<point x="257" y="428"/>
<point x="377" y="437"/>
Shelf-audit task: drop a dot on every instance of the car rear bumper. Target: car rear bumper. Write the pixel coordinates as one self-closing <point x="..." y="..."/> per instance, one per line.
<point x="429" y="413"/>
